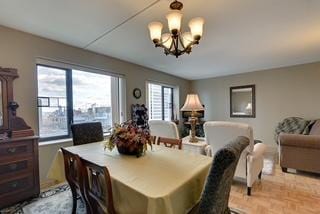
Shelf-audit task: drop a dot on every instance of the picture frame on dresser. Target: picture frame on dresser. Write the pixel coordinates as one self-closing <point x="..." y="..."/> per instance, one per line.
<point x="19" y="158"/>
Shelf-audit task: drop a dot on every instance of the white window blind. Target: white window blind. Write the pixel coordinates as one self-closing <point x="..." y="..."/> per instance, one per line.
<point x="160" y="102"/>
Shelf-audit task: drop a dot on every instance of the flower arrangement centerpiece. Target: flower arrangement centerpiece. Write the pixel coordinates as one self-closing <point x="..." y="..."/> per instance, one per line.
<point x="129" y="139"/>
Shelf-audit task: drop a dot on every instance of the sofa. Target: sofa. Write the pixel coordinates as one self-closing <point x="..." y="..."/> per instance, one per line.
<point x="301" y="151"/>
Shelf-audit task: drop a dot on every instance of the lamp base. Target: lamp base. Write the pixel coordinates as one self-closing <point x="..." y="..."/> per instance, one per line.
<point x="193" y="140"/>
<point x="193" y="121"/>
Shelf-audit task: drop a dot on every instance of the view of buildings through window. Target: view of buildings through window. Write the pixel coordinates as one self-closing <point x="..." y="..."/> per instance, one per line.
<point x="52" y="102"/>
<point x="91" y="98"/>
<point x="68" y="96"/>
<point x="160" y="102"/>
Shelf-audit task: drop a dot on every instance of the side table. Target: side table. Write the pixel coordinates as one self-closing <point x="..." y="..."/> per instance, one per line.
<point x="196" y="148"/>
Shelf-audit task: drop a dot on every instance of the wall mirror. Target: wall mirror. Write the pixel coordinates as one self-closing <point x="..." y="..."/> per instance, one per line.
<point x="243" y="101"/>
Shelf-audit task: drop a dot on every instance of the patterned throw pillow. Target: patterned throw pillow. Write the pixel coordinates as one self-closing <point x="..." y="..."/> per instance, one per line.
<point x="291" y="125"/>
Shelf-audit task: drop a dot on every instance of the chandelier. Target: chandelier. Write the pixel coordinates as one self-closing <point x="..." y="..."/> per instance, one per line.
<point x="176" y="42"/>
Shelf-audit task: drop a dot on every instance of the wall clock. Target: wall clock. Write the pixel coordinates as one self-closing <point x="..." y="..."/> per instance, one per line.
<point x="137" y="93"/>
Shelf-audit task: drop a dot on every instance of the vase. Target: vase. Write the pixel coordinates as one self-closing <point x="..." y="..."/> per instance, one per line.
<point x="138" y="150"/>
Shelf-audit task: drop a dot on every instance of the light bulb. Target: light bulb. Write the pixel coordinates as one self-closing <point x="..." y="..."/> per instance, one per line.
<point x="196" y="27"/>
<point x="174" y="22"/>
<point x="155" y="29"/>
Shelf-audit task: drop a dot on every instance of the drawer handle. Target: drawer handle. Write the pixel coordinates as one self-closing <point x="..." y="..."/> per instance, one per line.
<point x="13" y="166"/>
<point x="12" y="150"/>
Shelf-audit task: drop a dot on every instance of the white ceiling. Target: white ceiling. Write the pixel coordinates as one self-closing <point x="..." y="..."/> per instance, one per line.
<point x="239" y="36"/>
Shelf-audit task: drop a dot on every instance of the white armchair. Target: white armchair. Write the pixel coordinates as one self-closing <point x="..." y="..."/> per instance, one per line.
<point x="250" y="165"/>
<point x="161" y="128"/>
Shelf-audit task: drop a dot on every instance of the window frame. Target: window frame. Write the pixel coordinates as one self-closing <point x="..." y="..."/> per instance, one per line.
<point x="163" y="86"/>
<point x="69" y="100"/>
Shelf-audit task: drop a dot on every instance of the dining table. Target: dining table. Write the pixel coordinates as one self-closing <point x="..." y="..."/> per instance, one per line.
<point x="163" y="180"/>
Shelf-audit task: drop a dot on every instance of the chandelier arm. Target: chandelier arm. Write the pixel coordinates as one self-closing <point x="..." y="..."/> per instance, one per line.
<point x="181" y="42"/>
<point x="166" y="50"/>
<point x="177" y="47"/>
<point x="175" y="44"/>
<point x="163" y="41"/>
<point x="172" y="43"/>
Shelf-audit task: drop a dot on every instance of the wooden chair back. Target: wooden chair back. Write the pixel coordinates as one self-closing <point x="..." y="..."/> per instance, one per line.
<point x="73" y="173"/>
<point x="170" y="142"/>
<point x="97" y="188"/>
<point x="71" y="167"/>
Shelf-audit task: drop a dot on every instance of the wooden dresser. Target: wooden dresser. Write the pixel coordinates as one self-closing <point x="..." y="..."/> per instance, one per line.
<point x="19" y="160"/>
<point x="19" y="170"/>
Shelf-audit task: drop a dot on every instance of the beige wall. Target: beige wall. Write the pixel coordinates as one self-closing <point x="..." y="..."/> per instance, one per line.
<point x="280" y="93"/>
<point x="19" y="50"/>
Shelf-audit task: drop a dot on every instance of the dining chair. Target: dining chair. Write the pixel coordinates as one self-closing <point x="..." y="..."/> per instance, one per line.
<point x="153" y="139"/>
<point x="73" y="173"/>
<point x="162" y="128"/>
<point x="97" y="188"/>
<point x="170" y="142"/>
<point x="215" y="196"/>
<point x="83" y="133"/>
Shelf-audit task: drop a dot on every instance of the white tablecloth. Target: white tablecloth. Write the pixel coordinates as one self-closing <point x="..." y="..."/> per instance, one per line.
<point x="163" y="181"/>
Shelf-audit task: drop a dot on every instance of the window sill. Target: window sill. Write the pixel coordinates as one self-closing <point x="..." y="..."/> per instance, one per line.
<point x="53" y="142"/>
<point x="63" y="141"/>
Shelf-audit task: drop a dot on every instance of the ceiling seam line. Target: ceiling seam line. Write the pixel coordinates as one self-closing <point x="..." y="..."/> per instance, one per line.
<point x="122" y="23"/>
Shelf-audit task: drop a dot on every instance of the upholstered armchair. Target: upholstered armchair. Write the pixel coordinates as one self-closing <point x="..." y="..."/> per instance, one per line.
<point x="250" y="163"/>
<point x="161" y="128"/>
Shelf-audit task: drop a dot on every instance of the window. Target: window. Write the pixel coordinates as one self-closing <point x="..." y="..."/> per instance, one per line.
<point x="91" y="98"/>
<point x="52" y="96"/>
<point x="67" y="96"/>
<point x="160" y="102"/>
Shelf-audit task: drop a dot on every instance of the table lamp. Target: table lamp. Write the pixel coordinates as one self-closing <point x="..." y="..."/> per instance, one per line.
<point x="192" y="104"/>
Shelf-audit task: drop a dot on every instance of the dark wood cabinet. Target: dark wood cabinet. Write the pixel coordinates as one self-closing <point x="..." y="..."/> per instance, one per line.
<point x="19" y="159"/>
<point x="19" y="170"/>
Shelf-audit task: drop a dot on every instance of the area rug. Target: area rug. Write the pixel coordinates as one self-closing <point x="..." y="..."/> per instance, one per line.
<point x="54" y="201"/>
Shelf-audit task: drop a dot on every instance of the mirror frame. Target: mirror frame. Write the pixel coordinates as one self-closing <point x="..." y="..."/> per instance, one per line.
<point x="253" y="87"/>
<point x="7" y="75"/>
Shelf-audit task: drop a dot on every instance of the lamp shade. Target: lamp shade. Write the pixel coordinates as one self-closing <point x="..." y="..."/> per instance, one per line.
<point x="174" y="21"/>
<point x="155" y="29"/>
<point x="196" y="26"/>
<point x="192" y="103"/>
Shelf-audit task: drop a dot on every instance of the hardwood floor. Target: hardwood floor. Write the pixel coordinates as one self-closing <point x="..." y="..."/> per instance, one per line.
<point x="279" y="193"/>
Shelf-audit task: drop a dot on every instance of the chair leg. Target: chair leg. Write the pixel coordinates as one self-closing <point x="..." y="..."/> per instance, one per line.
<point x="248" y="191"/>
<point x="88" y="207"/>
<point x="284" y="169"/>
<point x="74" y="200"/>
<point x="260" y="174"/>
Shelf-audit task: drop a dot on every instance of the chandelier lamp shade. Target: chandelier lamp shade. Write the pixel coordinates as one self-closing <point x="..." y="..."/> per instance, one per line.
<point x="175" y="42"/>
